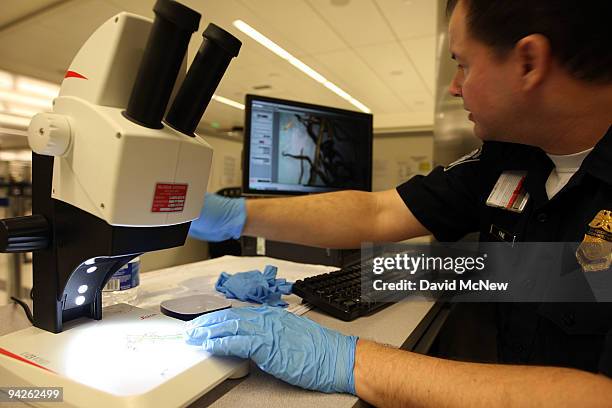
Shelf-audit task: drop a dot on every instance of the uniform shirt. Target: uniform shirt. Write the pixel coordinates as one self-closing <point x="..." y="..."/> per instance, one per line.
<point x="451" y="202"/>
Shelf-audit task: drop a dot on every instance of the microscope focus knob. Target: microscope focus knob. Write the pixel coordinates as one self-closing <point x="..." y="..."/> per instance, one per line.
<point x="49" y="134"/>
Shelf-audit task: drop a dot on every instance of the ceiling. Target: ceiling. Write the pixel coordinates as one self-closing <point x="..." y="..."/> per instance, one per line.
<point x="382" y="52"/>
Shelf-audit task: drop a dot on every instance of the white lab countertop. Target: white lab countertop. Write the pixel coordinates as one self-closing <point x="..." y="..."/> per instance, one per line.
<point x="392" y="325"/>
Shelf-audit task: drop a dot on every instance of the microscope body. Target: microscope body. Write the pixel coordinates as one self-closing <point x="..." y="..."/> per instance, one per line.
<point x="111" y="180"/>
<point x="107" y="164"/>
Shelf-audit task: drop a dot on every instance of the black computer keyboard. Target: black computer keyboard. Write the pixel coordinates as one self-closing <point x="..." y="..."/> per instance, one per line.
<point x="337" y="293"/>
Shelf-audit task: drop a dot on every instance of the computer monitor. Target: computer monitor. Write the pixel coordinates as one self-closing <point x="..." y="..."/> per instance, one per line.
<point x="298" y="148"/>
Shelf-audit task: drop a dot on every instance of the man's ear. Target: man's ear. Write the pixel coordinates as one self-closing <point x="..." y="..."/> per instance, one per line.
<point x="534" y="59"/>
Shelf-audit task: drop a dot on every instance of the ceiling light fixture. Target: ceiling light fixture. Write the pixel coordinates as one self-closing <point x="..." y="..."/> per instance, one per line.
<point x="32" y="86"/>
<point x="21" y="111"/>
<point x="278" y="50"/>
<point x="10" y="96"/>
<point x="10" y="120"/>
<point x="227" y="101"/>
<point x="15" y="155"/>
<point x="6" y="80"/>
<point x="22" y="97"/>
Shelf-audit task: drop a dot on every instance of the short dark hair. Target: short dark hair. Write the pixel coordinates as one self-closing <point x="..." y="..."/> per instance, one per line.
<point x="580" y="32"/>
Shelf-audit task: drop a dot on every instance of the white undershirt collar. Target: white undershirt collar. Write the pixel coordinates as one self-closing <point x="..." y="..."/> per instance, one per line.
<point x="565" y="163"/>
<point x="565" y="167"/>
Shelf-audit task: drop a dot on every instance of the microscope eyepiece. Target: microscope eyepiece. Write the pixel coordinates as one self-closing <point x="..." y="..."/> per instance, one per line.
<point x="182" y="16"/>
<point x="210" y="63"/>
<point x="222" y="38"/>
<point x="162" y="58"/>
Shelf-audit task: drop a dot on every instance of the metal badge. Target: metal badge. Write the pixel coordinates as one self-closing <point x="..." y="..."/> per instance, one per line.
<point x="595" y="251"/>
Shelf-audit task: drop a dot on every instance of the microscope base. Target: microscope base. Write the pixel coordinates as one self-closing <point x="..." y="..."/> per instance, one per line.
<point x="131" y="358"/>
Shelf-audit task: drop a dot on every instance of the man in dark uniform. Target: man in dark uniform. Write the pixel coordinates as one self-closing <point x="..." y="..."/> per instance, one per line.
<point x="536" y="77"/>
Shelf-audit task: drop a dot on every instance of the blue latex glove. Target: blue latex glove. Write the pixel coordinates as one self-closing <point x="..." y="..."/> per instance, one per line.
<point x="292" y="348"/>
<point x="253" y="286"/>
<point x="221" y="218"/>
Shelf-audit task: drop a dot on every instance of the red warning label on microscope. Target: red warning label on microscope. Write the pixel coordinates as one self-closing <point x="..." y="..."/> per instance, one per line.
<point x="169" y="197"/>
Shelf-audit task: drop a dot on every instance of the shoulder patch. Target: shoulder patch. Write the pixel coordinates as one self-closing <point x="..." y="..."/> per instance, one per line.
<point x="468" y="158"/>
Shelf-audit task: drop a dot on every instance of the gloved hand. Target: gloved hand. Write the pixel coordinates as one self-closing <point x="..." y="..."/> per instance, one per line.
<point x="253" y="286"/>
<point x="292" y="348"/>
<point x="221" y="218"/>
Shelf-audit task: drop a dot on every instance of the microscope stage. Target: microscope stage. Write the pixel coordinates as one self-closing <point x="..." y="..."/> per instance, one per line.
<point x="132" y="357"/>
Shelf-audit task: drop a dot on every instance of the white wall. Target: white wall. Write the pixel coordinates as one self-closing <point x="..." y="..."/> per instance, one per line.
<point x="399" y="156"/>
<point x="193" y="251"/>
<point x="226" y="168"/>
